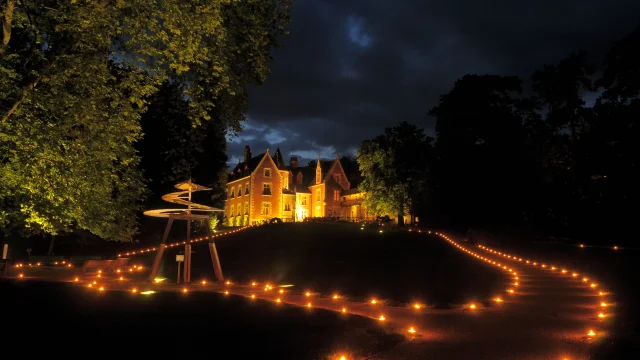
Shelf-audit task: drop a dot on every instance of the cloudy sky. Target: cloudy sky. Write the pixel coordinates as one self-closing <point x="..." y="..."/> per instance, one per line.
<point x="350" y="68"/>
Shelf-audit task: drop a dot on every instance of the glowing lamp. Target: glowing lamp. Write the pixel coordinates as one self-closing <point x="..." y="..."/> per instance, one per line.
<point x="382" y="318"/>
<point x="582" y="245"/>
<point x="120" y="278"/>
<point x="472" y="306"/>
<point x="308" y="305"/>
<point x="585" y="279"/>
<point x="118" y="271"/>
<point x="374" y="301"/>
<point x="516" y="284"/>
<point x="68" y="265"/>
<point x="412" y="330"/>
<point x="510" y="291"/>
<point x="417" y="306"/>
<point x="601" y="293"/>
<point x="278" y="300"/>
<point x="184" y="290"/>
<point x="101" y="288"/>
<point x="593" y="285"/>
<point x="498" y="299"/>
<point x="95" y="283"/>
<point x="307" y="294"/>
<point x="335" y="297"/>
<point x="553" y="268"/>
<point x="281" y="291"/>
<point x="574" y="274"/>
<point x="615" y="247"/>
<point x="253" y="296"/>
<point x="76" y="279"/>
<point x="204" y="282"/>
<point x="343" y="357"/>
<point x="603" y="304"/>
<point x="21" y="275"/>
<point x="253" y="284"/>
<point x="564" y="271"/>
<point x="90" y="285"/>
<point x="591" y="333"/>
<point x="344" y="310"/>
<point x="99" y="271"/>
<point x="134" y="290"/>
<point x="601" y="315"/>
<point x="228" y="282"/>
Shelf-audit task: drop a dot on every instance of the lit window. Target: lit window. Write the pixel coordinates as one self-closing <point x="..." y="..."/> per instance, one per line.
<point x="266" y="209"/>
<point x="317" y="195"/>
<point x="336" y="195"/>
<point x="231" y="193"/>
<point x="287" y="207"/>
<point x="239" y="190"/>
<point x="337" y="177"/>
<point x="304" y="200"/>
<point x="299" y="178"/>
<point x="246" y="189"/>
<point x="232" y="211"/>
<point x="246" y="208"/>
<point x="267" y="173"/>
<point x="266" y="189"/>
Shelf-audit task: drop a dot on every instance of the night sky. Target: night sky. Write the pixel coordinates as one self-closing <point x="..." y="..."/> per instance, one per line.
<point x="350" y="68"/>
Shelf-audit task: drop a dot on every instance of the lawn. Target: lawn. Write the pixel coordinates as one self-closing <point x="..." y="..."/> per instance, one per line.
<point x="397" y="266"/>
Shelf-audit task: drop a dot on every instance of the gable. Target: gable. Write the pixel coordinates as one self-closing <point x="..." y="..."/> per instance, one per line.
<point x="336" y="169"/>
<point x="267" y="162"/>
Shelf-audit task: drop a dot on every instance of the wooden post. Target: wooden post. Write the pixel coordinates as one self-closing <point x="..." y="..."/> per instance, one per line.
<point x="187" y="264"/>
<point x="161" y="247"/>
<point x="217" y="269"/>
<point x="178" y="282"/>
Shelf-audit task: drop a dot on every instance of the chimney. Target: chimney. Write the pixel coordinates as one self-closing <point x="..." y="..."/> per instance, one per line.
<point x="294" y="162"/>
<point x="247" y="154"/>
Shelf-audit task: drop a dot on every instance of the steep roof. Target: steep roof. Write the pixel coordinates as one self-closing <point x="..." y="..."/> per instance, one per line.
<point x="245" y="168"/>
<point x="325" y="166"/>
<point x="279" y="160"/>
<point x="308" y="175"/>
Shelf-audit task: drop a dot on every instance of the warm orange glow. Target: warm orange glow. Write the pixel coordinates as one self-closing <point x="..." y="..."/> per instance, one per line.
<point x="95" y="283"/>
<point x="226" y="292"/>
<point x="134" y="290"/>
<point x="99" y="271"/>
<point x="253" y="284"/>
<point x="308" y="304"/>
<point x="615" y="247"/>
<point x="382" y="318"/>
<point x="498" y="299"/>
<point x="412" y="330"/>
<point x="21" y="275"/>
<point x="601" y="315"/>
<point x="120" y="278"/>
<point x="344" y="310"/>
<point x="228" y="282"/>
<point x="516" y="284"/>
<point x="253" y="296"/>
<point x="335" y="297"/>
<point x="90" y="285"/>
<point x="591" y="333"/>
<point x="593" y="285"/>
<point x="417" y="306"/>
<point x="184" y="290"/>
<point x="76" y="279"/>
<point x="581" y="245"/>
<point x="281" y="291"/>
<point x="472" y="306"/>
<point x="601" y="293"/>
<point x="278" y="300"/>
<point x="101" y="288"/>
<point x="585" y="279"/>
<point x="374" y="301"/>
<point x="603" y="304"/>
<point x="343" y="357"/>
<point x="99" y="275"/>
<point x="574" y="274"/>
<point x="510" y="291"/>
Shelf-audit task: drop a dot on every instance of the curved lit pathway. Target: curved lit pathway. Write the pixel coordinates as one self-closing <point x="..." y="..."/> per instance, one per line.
<point x="544" y="312"/>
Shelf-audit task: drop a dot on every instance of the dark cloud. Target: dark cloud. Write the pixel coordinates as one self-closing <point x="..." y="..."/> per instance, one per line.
<point x="351" y="68"/>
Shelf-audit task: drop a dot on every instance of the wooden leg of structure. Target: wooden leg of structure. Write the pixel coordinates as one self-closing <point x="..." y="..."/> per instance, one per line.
<point x="217" y="269"/>
<point x="161" y="247"/>
<point x="187" y="263"/>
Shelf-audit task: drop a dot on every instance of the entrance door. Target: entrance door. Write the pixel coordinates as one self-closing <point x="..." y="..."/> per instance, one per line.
<point x="303" y="214"/>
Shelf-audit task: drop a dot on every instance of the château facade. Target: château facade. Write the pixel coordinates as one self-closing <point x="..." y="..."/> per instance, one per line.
<point x="263" y="187"/>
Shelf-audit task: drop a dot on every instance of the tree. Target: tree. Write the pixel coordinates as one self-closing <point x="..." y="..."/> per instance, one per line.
<point x="479" y="145"/>
<point x="395" y="170"/>
<point x="77" y="75"/>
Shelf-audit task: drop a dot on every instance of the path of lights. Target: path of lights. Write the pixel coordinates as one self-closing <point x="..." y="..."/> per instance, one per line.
<point x="373" y="302"/>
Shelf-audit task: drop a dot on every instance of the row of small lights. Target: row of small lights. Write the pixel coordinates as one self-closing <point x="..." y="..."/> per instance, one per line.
<point x="563" y="271"/>
<point x="142" y="251"/>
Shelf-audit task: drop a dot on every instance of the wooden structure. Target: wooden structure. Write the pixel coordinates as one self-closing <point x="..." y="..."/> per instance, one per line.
<point x="193" y="212"/>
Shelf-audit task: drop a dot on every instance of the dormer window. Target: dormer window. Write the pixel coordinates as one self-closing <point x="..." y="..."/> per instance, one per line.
<point x="299" y="178"/>
<point x="267" y="173"/>
<point x="337" y="177"/>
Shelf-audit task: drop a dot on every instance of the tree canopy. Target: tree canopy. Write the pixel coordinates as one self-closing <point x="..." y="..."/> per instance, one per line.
<point x="395" y="170"/>
<point x="76" y="77"/>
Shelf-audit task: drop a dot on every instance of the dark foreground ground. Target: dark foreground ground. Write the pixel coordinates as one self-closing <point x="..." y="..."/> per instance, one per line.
<point x="545" y="319"/>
